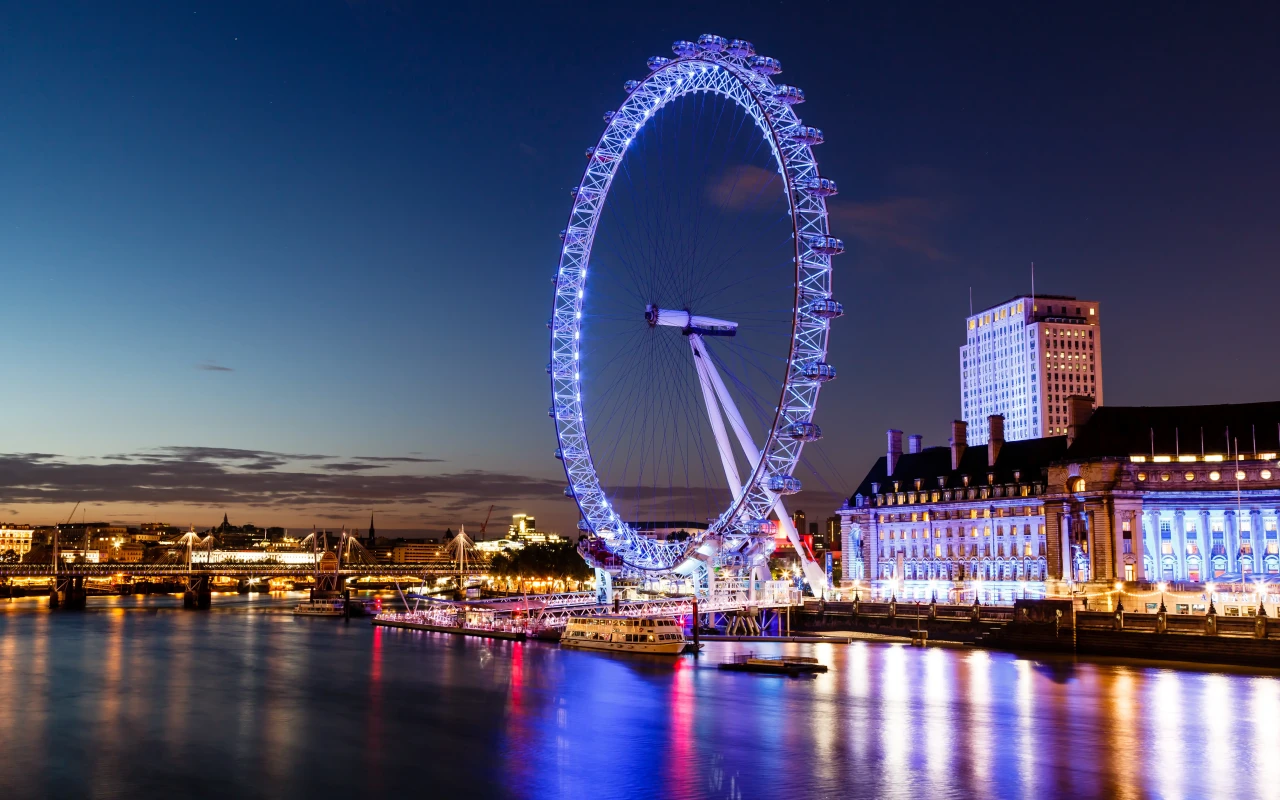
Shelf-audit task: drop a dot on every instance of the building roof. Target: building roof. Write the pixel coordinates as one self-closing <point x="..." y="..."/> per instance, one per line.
<point x="1030" y="457"/>
<point x="1026" y="296"/>
<point x="1123" y="431"/>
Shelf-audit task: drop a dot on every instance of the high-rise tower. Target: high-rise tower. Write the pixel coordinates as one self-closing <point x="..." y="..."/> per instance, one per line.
<point x="1023" y="358"/>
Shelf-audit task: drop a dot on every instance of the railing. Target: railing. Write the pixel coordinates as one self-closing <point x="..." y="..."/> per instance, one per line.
<point x="229" y="570"/>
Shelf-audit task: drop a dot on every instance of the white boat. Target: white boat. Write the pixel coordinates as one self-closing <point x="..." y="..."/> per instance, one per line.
<point x="321" y="608"/>
<point x="659" y="635"/>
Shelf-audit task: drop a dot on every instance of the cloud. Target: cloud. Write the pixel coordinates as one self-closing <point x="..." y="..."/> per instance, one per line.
<point x="348" y="466"/>
<point x="902" y="223"/>
<point x="405" y="459"/>
<point x="907" y="223"/>
<point x="218" y="477"/>
<point x="209" y="366"/>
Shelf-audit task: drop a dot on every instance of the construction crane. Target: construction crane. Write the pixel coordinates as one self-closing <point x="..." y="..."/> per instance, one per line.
<point x="486" y="524"/>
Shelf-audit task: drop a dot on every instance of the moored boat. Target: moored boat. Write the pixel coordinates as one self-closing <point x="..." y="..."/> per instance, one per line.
<point x="657" y="635"/>
<point x="321" y="608"/>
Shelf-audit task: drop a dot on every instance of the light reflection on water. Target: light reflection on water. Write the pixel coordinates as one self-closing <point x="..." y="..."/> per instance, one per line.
<point x="131" y="702"/>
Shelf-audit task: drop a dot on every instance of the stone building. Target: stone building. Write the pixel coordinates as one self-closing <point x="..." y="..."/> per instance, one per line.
<point x="951" y="513"/>
<point x="1174" y="494"/>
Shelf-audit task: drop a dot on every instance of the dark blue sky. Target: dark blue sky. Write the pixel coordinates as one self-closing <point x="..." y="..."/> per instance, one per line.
<point x="320" y="229"/>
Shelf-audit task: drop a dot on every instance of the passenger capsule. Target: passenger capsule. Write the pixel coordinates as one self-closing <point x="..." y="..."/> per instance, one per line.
<point x="826" y="245"/>
<point x="806" y="135"/>
<point x="762" y="527"/>
<point x="568" y="491"/>
<point x="803" y="431"/>
<point x="608" y="117"/>
<point x="559" y="454"/>
<point x="657" y="63"/>
<point x="741" y="48"/>
<point x="791" y="95"/>
<point x="548" y="369"/>
<point x="822" y="187"/>
<point x="631" y="86"/>
<point x="683" y="48"/>
<point x="818" y="371"/>
<point x="710" y="43"/>
<point x="825" y="307"/>
<point x="584" y="526"/>
<point x="584" y="194"/>
<point x="765" y="65"/>
<point x="599" y="155"/>
<point x="783" y="484"/>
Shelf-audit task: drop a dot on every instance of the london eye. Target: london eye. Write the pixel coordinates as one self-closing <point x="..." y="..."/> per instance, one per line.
<point x="693" y="301"/>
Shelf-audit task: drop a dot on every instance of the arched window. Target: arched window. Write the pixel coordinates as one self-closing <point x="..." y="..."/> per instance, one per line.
<point x="1075" y="485"/>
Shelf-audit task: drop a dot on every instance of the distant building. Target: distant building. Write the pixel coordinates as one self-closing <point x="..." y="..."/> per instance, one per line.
<point x="417" y="552"/>
<point x="669" y="529"/>
<point x="130" y="552"/>
<point x="524" y="529"/>
<point x="154" y="532"/>
<point x="1022" y="358"/>
<point x="16" y="538"/>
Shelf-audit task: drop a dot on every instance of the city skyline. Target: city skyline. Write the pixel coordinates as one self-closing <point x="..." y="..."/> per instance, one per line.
<point x="249" y="283"/>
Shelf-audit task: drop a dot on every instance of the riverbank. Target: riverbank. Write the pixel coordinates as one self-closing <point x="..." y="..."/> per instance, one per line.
<point x="1056" y="626"/>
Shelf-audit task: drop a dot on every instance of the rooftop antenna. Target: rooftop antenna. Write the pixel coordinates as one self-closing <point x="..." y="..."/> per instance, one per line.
<point x="971" y="301"/>
<point x="1202" y="441"/>
<point x="1177" y="443"/>
<point x="1254" y="428"/>
<point x="1033" y="284"/>
<point x="1153" y="442"/>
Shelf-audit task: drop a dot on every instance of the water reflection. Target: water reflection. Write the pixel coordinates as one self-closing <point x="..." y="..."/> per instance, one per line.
<point x="268" y="705"/>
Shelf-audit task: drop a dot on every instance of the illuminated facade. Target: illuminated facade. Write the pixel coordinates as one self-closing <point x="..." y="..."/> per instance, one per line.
<point x="951" y="513"/>
<point x="1022" y="358"/>
<point x="1175" y="494"/>
<point x="15" y="538"/>
<point x="524" y="529"/>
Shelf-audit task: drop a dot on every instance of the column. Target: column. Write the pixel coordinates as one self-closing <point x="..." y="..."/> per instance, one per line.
<point x="1180" y="545"/>
<point x="1258" y="537"/>
<point x="1117" y="544"/>
<point x="1139" y="545"/>
<point x="1064" y="539"/>
<point x="1151" y="536"/>
<point x="1231" y="536"/>
<point x="1206" y="542"/>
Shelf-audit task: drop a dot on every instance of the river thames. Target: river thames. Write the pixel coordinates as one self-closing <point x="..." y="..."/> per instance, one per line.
<point x="135" y="698"/>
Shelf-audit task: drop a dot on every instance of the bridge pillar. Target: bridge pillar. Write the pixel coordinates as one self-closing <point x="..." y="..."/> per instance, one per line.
<point x="604" y="587"/>
<point x="198" y="594"/>
<point x="68" y="594"/>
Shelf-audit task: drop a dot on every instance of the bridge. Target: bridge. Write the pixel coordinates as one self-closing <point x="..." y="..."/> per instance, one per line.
<point x="193" y="562"/>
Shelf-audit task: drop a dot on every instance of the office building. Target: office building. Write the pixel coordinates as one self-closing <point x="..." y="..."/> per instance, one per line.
<point x="1021" y="360"/>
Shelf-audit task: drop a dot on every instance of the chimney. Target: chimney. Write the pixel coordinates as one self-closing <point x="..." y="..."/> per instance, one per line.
<point x="1079" y="410"/>
<point x="959" y="441"/>
<point x="995" y="439"/>
<point x="895" y="450"/>
<point x="914" y="442"/>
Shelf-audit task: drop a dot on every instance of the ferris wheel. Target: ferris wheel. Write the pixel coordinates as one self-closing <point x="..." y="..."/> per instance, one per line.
<point x="692" y="307"/>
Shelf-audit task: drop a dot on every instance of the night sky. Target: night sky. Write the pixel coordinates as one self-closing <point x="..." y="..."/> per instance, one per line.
<point x="291" y="261"/>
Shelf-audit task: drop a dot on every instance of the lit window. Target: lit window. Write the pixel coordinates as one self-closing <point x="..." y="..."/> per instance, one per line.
<point x="1215" y="475"/>
<point x="1266" y="474"/>
<point x="1142" y="476"/>
<point x="1164" y="476"/>
<point x="1239" y="474"/>
<point x="1191" y="476"/>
